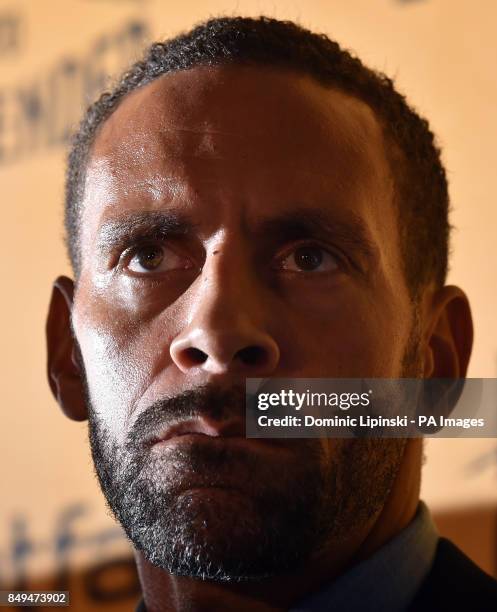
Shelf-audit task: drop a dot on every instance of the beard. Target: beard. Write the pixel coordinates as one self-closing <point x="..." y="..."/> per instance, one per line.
<point x="222" y="512"/>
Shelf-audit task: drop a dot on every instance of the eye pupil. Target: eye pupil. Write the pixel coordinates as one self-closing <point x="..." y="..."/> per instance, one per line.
<point x="149" y="258"/>
<point x="308" y="258"/>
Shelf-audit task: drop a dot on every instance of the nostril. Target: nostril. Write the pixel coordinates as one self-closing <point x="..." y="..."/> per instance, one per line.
<point x="252" y="355"/>
<point x="195" y="356"/>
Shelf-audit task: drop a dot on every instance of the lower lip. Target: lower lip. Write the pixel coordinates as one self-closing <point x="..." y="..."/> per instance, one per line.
<point x="239" y="441"/>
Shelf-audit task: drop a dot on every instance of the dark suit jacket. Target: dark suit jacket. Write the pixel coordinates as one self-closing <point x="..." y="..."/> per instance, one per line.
<point x="453" y="584"/>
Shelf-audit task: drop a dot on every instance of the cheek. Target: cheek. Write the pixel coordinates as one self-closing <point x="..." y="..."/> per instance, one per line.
<point x="121" y="350"/>
<point x="345" y="336"/>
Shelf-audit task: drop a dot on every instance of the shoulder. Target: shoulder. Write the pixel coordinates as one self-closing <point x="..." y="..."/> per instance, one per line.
<point x="454" y="581"/>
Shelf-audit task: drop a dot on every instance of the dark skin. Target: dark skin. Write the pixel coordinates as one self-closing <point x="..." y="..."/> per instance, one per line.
<point x="223" y="146"/>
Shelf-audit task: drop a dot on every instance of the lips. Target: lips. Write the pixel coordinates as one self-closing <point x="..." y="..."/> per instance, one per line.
<point x="201" y="426"/>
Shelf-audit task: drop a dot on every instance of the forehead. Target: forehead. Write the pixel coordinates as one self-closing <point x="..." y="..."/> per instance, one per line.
<point x="254" y="138"/>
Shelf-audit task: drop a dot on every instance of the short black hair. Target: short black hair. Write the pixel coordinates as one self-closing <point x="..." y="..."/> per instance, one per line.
<point x="421" y="190"/>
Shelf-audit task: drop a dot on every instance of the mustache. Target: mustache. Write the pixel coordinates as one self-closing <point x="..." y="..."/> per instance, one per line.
<point x="204" y="401"/>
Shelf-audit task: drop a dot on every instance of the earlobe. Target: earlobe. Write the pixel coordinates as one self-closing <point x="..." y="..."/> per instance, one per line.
<point x="63" y="369"/>
<point x="449" y="337"/>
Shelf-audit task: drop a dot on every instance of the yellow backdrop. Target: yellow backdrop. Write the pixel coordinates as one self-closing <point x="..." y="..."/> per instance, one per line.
<point x="55" y="56"/>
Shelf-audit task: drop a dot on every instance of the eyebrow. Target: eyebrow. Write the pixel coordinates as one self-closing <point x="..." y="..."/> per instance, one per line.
<point x="347" y="229"/>
<point x="148" y="225"/>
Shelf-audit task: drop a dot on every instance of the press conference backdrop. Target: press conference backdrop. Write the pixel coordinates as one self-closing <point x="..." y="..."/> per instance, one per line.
<point x="55" y="56"/>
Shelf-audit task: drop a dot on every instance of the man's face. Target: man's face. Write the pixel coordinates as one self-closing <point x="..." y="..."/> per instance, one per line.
<point x="237" y="222"/>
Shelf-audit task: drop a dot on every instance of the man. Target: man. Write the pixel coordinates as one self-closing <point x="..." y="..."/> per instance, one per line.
<point x="251" y="201"/>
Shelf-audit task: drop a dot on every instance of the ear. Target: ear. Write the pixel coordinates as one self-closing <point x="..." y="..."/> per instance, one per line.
<point x="449" y="334"/>
<point x="63" y="368"/>
<point x="448" y="340"/>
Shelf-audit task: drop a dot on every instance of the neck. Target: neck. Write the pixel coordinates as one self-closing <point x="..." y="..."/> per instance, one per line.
<point x="166" y="593"/>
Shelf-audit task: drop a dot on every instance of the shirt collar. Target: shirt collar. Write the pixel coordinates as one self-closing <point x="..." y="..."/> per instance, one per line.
<point x="386" y="581"/>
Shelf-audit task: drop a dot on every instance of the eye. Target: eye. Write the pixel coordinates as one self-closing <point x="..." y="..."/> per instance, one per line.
<point x="156" y="258"/>
<point x="310" y="258"/>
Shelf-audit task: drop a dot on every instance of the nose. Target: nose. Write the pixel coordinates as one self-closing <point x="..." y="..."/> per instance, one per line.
<point x="227" y="330"/>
